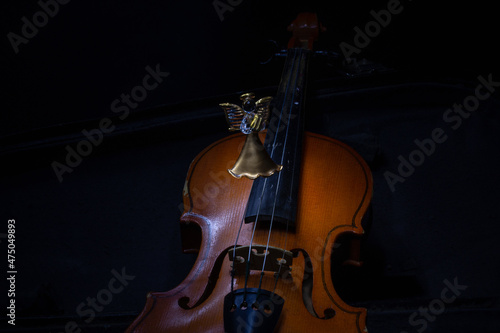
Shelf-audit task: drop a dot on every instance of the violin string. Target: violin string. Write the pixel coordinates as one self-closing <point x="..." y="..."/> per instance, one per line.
<point x="292" y="76"/>
<point x="247" y="270"/>
<point x="268" y="237"/>
<point x="276" y="278"/>
<point x="247" y="266"/>
<point x="234" y="248"/>
<point x="261" y="196"/>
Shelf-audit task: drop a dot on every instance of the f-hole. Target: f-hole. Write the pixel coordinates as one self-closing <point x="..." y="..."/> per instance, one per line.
<point x="307" y="286"/>
<point x="212" y="281"/>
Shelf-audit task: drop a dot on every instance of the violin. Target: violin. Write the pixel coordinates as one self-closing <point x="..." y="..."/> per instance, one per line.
<point x="264" y="240"/>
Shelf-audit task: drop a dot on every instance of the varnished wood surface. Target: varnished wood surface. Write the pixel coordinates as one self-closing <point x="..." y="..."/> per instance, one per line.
<point x="335" y="191"/>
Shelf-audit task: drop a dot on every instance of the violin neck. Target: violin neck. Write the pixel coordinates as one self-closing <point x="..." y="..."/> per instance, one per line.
<point x="275" y="197"/>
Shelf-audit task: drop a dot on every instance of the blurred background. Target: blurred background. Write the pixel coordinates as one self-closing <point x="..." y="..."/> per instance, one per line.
<point x="117" y="211"/>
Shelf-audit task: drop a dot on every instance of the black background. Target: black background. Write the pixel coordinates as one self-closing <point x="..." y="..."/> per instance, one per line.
<point x="120" y="206"/>
<point x="89" y="54"/>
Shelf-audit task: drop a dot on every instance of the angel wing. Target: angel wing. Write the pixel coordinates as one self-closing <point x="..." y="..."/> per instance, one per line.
<point x="262" y="108"/>
<point x="234" y="115"/>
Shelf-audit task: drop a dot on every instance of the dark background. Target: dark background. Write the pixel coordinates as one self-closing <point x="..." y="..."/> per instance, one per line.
<point x="119" y="208"/>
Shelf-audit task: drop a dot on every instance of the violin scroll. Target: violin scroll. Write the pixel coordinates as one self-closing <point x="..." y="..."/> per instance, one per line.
<point x="305" y="31"/>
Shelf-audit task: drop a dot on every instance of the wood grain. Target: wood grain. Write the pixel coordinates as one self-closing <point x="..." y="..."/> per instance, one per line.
<point x="335" y="191"/>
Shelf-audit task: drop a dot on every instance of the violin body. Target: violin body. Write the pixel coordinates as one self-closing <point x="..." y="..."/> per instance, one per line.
<point x="335" y="192"/>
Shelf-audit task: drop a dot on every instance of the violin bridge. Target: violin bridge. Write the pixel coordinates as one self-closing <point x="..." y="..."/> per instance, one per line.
<point x="276" y="260"/>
